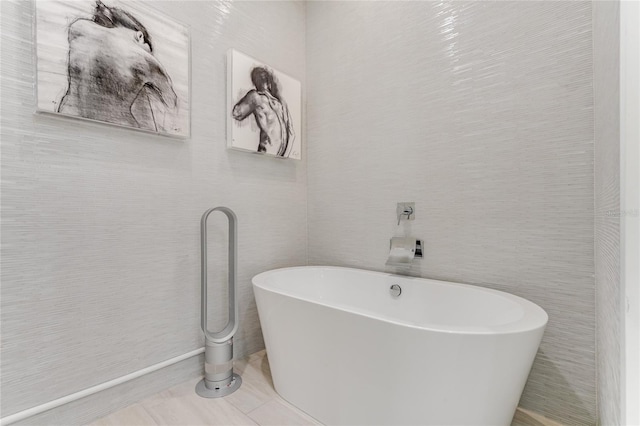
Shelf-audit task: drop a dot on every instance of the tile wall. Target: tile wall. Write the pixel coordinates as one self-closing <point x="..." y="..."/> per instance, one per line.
<point x="482" y="114"/>
<point x="101" y="225"/>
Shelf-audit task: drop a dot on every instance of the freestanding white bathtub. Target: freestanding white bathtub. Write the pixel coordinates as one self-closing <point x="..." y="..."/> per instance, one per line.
<point x="343" y="349"/>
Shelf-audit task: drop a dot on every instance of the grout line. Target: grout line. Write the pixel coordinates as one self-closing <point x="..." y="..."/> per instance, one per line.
<point x="258" y="407"/>
<point x="146" y="410"/>
<point x="151" y="416"/>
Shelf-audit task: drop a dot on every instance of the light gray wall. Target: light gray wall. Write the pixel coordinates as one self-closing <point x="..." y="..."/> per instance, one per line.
<point x="606" y="87"/>
<point x="100" y="225"/>
<point x="481" y="113"/>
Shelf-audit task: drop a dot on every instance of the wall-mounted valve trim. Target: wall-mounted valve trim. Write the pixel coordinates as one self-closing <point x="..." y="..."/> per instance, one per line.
<point x="406" y="211"/>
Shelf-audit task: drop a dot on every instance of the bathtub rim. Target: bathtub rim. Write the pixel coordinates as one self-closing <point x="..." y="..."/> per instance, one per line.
<point x="528" y="306"/>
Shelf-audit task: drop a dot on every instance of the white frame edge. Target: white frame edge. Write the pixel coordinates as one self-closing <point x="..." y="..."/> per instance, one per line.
<point x="629" y="206"/>
<point x="229" y="120"/>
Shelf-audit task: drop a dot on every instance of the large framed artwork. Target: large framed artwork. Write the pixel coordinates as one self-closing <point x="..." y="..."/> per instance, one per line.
<point x="264" y="108"/>
<point x="115" y="62"/>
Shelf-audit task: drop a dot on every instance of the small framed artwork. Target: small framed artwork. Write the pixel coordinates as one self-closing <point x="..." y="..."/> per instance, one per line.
<point x="264" y="108"/>
<point x="113" y="61"/>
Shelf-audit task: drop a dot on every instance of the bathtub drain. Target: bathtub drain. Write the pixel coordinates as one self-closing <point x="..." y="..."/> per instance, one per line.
<point x="395" y="290"/>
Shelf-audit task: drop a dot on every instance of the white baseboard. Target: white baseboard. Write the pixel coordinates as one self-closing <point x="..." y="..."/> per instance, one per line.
<point x="96" y="401"/>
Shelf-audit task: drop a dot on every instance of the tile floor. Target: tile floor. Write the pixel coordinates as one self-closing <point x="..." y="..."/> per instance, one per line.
<point x="255" y="403"/>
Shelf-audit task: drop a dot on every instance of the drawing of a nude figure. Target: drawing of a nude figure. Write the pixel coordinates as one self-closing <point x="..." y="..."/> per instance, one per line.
<point x="270" y="112"/>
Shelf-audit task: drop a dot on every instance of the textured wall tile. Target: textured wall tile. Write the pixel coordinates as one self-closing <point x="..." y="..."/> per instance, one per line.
<point x="609" y="313"/>
<point x="478" y="112"/>
<point x="481" y="113"/>
<point x="100" y="225"/>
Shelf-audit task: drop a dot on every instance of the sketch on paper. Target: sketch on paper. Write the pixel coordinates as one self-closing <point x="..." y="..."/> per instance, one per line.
<point x="118" y="63"/>
<point x="265" y="108"/>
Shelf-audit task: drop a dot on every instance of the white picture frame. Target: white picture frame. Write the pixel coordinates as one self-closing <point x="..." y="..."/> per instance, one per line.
<point x="264" y="113"/>
<point x="117" y="62"/>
